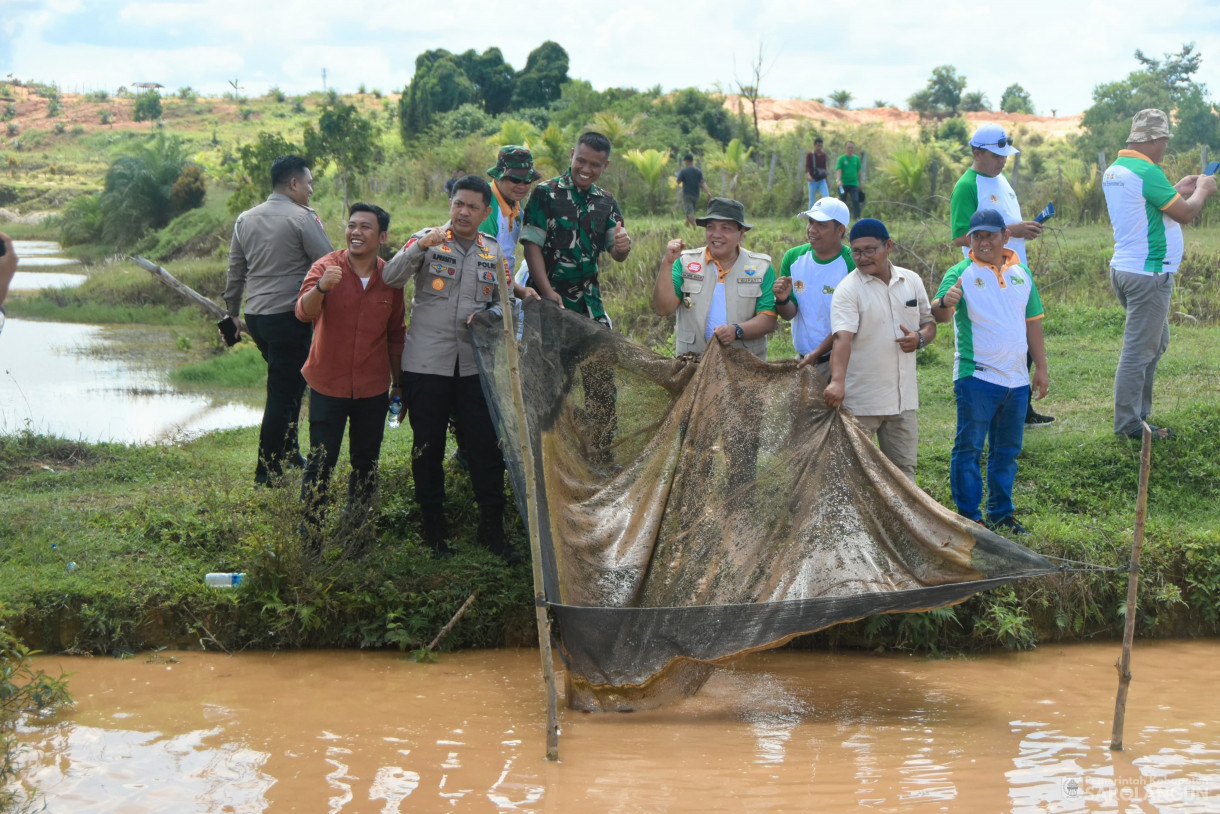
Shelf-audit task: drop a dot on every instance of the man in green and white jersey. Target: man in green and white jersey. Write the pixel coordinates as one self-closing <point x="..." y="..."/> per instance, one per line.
<point x="984" y="186"/>
<point x="997" y="321"/>
<point x="1146" y="213"/>
<point x="808" y="276"/>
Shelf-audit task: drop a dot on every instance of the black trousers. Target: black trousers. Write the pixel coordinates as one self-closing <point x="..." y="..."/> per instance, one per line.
<point x="284" y="342"/>
<point x="852" y="194"/>
<point x="431" y="399"/>
<point x="328" y="417"/>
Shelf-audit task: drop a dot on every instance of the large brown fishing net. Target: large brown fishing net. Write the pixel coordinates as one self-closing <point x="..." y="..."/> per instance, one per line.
<point x="697" y="509"/>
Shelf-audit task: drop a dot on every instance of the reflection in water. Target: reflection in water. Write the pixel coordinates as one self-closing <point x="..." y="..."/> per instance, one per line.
<point x="355" y="732"/>
<point x="33" y="254"/>
<point x="31" y="281"/>
<point x="54" y="380"/>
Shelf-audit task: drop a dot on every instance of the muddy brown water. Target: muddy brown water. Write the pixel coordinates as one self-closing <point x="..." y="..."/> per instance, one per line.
<point x="779" y="731"/>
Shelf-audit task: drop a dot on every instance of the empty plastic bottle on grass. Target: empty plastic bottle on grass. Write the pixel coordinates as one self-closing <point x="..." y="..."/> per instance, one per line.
<point x="395" y="411"/>
<point x="226" y="579"/>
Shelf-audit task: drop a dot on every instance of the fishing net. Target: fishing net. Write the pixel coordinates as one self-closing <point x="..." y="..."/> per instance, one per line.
<point x="696" y="509"/>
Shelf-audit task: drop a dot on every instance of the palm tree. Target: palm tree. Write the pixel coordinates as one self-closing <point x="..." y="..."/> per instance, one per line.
<point x="651" y="164"/>
<point x="552" y="150"/>
<point x="733" y="161"/>
<point x="841" y="99"/>
<point x="515" y="131"/>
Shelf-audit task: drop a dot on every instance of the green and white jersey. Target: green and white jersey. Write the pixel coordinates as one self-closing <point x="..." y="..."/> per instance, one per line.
<point x="813" y="286"/>
<point x="973" y="192"/>
<point x="989" y="320"/>
<point x="1146" y="240"/>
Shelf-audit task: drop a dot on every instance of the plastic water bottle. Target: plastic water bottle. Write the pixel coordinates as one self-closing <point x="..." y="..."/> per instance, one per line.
<point x="395" y="411"/>
<point x="224" y="579"/>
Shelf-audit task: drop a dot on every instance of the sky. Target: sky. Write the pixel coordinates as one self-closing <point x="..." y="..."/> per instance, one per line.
<point x="882" y="50"/>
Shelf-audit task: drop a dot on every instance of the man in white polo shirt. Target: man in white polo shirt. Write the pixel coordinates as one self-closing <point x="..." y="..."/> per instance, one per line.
<point x="808" y="277"/>
<point x="997" y="320"/>
<point x="1146" y="213"/>
<point x="984" y="186"/>
<point x="880" y="316"/>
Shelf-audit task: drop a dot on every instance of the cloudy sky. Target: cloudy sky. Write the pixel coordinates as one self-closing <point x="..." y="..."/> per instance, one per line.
<point x="1057" y="49"/>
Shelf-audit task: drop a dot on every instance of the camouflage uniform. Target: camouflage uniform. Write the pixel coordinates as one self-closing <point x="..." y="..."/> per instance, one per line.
<point x="572" y="228"/>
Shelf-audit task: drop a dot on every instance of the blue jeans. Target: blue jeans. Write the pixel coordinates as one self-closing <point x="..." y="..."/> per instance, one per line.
<point x="818" y="189"/>
<point x="986" y="411"/>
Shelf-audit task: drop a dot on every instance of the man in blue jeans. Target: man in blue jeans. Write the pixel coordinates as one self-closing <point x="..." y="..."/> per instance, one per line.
<point x="997" y="319"/>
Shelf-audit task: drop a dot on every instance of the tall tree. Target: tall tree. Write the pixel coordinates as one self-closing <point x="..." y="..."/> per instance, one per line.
<point x="975" y="102"/>
<point x="841" y="99"/>
<point x="1016" y="99"/>
<point x="539" y="83"/>
<point x="493" y="79"/>
<point x="344" y="138"/>
<point x="941" y="96"/>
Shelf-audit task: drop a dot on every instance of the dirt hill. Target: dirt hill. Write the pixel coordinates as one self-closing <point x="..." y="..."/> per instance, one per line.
<point x="778" y="115"/>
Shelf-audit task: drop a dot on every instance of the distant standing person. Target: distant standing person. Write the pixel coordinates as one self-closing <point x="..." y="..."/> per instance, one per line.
<point x="984" y="186"/>
<point x="569" y="222"/>
<point x="881" y="316"/>
<point x="808" y="277"/>
<point x="8" y="267"/>
<point x="847" y="174"/>
<point x="273" y="246"/>
<point x="997" y="320"/>
<point x="1146" y="213"/>
<point x="691" y="179"/>
<point x="816" y="173"/>
<point x="451" y="180"/>
<point x="353" y="362"/>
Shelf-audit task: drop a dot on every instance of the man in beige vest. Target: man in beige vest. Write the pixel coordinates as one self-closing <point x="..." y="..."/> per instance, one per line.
<point x="719" y="290"/>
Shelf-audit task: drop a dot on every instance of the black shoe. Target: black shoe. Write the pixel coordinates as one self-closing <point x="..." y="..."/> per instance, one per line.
<point x="436" y="532"/>
<point x="490" y="533"/>
<point x="1007" y="524"/>
<point x="1034" y="419"/>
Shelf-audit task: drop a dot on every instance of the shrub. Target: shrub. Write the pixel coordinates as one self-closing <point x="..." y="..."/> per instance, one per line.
<point x="147" y="107"/>
<point x="54" y="108"/>
<point x="60" y="129"/>
<point x="10" y="112"/>
<point x="188" y="94"/>
<point x="106" y="116"/>
<point x="276" y="94"/>
<point x="96" y="96"/>
<point x="189" y="190"/>
<point x="81" y="221"/>
<point x="13" y="129"/>
<point x="246" y="113"/>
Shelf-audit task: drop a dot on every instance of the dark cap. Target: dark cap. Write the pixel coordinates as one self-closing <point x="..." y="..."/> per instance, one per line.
<point x="518" y="159"/>
<point x="725" y="209"/>
<point x="986" y="220"/>
<point x="869" y="227"/>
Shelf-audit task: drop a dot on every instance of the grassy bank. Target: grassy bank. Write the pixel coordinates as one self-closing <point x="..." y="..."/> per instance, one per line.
<point x="143" y="524"/>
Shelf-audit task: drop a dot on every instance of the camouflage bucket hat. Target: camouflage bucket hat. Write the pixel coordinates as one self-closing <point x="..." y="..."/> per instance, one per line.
<point x="725" y="209"/>
<point x="518" y="158"/>
<point x="1149" y="124"/>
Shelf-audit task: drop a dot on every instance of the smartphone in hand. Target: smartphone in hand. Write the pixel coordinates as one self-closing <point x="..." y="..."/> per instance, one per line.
<point x="1046" y="214"/>
<point x="1211" y="168"/>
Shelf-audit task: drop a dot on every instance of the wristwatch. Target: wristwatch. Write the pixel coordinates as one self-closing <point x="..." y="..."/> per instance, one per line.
<point x="738" y="332"/>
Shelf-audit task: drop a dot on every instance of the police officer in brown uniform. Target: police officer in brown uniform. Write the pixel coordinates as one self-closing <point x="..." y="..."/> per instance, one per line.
<point x="454" y="270"/>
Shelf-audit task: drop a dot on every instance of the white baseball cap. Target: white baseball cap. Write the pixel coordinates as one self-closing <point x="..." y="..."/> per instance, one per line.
<point x="992" y="137"/>
<point x="828" y="209"/>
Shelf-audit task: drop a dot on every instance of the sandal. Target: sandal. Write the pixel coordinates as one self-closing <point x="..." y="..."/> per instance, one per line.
<point x="1158" y="434"/>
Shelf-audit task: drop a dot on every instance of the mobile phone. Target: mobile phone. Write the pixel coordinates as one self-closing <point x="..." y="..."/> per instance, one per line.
<point x="3" y="248"/>
<point x="228" y="330"/>
<point x="1211" y="168"/>
<point x="1046" y="214"/>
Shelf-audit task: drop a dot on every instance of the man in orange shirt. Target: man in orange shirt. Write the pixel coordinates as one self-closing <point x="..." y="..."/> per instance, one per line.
<point x="359" y="331"/>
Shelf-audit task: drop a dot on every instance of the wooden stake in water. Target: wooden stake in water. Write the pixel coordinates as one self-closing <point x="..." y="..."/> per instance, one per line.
<point x="1133" y="578"/>
<point x="531" y="502"/>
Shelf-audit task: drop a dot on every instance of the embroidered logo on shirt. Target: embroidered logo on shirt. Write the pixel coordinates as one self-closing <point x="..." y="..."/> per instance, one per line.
<point x="828" y="289"/>
<point x="1018" y="279"/>
<point x="750" y="270"/>
<point x="438" y="284"/>
<point x="694" y="268"/>
<point x="437" y="268"/>
<point x="979" y="282"/>
<point x="486" y="290"/>
<point x="994" y="199"/>
<point x="798" y="286"/>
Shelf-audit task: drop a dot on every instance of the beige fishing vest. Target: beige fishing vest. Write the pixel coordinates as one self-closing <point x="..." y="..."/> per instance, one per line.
<point x="742" y="288"/>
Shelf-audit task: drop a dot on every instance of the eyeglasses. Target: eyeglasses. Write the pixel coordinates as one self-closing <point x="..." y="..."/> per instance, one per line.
<point x="510" y="179"/>
<point x="867" y="251"/>
<point x="1002" y="143"/>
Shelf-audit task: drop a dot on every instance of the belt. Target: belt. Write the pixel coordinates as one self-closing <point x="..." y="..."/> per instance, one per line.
<point x="823" y="358"/>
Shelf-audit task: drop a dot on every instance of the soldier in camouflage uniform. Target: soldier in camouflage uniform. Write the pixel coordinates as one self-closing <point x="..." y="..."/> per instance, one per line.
<point x="569" y="222"/>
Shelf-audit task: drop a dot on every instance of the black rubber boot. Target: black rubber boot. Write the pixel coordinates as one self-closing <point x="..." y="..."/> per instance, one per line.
<point x="436" y="533"/>
<point x="490" y="533"/>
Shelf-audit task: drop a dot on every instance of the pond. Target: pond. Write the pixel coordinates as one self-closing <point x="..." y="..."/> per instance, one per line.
<point x="82" y="382"/>
<point x="778" y="731"/>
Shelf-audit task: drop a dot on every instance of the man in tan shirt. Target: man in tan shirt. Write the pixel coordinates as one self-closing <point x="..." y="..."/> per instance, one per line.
<point x="880" y="316"/>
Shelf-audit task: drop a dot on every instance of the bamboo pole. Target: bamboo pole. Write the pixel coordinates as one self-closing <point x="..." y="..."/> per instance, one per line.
<point x="1133" y="576"/>
<point x="213" y="310"/>
<point x="531" y="502"/>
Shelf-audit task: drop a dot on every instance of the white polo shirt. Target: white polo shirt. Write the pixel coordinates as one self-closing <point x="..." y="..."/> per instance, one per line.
<point x="989" y="320"/>
<point x="813" y="288"/>
<point x="1146" y="241"/>
<point x="880" y="376"/>
<point x="974" y="192"/>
